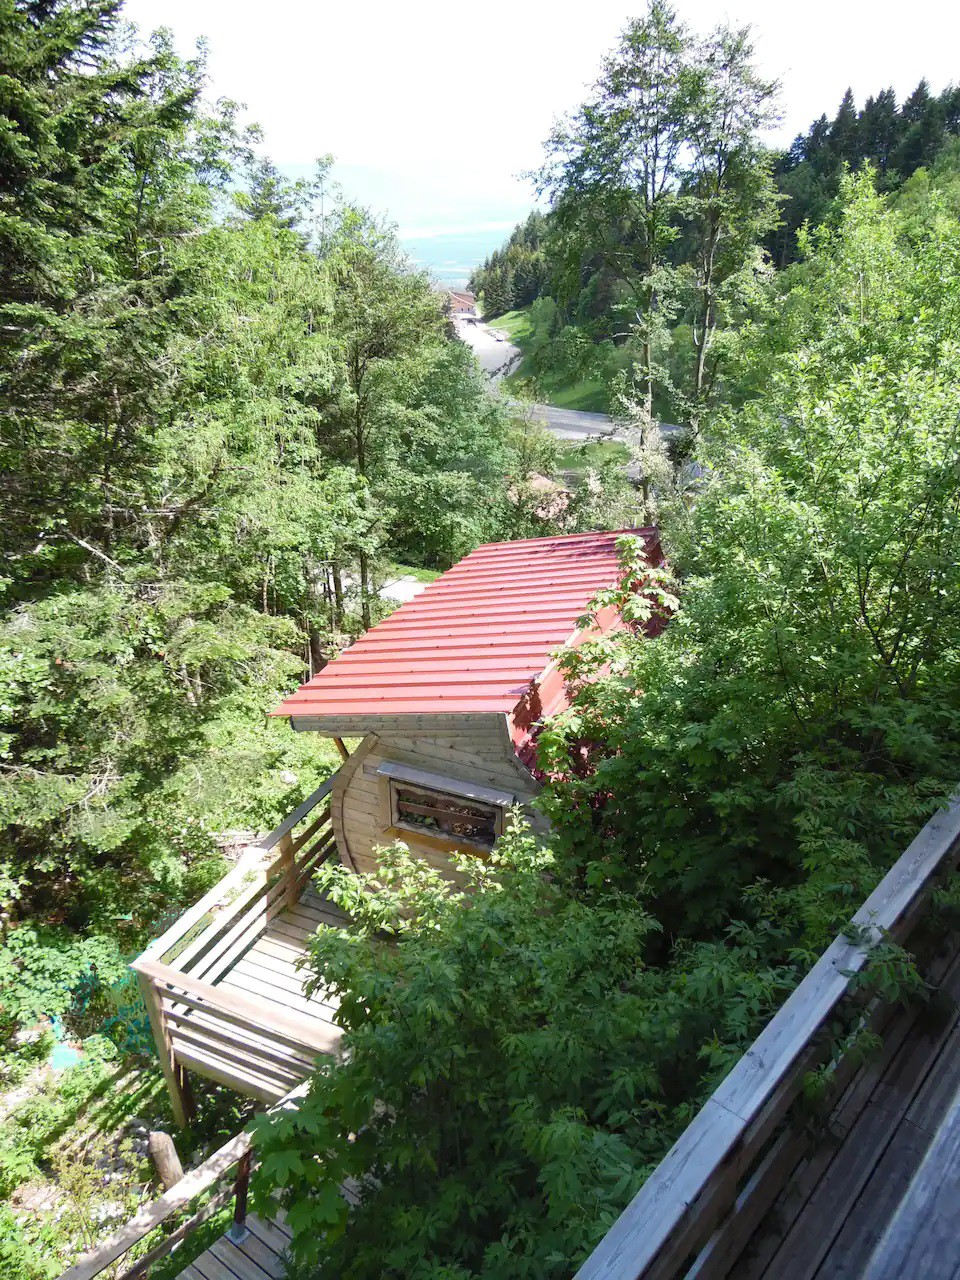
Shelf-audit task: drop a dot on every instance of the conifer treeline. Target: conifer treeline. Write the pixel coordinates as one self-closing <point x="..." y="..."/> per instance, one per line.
<point x="895" y="139"/>
<point x="517" y="274"/>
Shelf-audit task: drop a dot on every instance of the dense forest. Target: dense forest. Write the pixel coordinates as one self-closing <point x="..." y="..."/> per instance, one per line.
<point x="701" y="217"/>
<point x="227" y="421"/>
<point x="224" y="424"/>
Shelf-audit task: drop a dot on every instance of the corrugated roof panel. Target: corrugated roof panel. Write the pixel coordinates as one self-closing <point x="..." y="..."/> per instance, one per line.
<point x="476" y="639"/>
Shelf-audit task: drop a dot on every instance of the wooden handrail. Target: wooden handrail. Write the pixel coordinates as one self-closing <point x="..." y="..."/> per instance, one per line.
<point x="158" y="1211"/>
<point x="673" y="1213"/>
<point x="298" y="815"/>
<point x="252" y="860"/>
<point x="260" y="1013"/>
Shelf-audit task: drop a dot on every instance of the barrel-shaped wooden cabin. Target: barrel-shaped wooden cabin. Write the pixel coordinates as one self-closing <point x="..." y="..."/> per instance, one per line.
<point x="447" y="696"/>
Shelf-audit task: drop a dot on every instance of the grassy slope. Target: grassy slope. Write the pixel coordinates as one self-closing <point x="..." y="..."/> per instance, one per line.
<point x="578" y="457"/>
<point x="589" y="396"/>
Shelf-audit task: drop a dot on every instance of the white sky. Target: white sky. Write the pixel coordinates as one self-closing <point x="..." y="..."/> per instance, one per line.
<point x="433" y="108"/>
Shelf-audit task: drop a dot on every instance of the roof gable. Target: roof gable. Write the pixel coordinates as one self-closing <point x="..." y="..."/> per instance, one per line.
<point x="478" y="639"/>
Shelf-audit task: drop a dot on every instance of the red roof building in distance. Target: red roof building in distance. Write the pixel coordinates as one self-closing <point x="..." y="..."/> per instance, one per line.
<point x="462" y="302"/>
<point x="477" y="641"/>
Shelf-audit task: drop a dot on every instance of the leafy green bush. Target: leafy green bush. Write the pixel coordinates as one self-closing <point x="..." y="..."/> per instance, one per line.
<point x="524" y="1049"/>
<point x="515" y="1067"/>
<point x="41" y="970"/>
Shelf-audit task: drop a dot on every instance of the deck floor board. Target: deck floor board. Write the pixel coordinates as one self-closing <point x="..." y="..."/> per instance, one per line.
<point x="267" y="969"/>
<point x="833" y="1210"/>
<point x="261" y="1256"/>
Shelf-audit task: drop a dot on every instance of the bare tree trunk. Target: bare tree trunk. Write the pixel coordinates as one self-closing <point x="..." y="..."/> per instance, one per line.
<point x="317" y="659"/>
<point x="337" y="597"/>
<point x="365" y="616"/>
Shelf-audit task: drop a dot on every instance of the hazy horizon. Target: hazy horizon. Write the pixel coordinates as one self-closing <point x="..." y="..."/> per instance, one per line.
<point x="433" y="111"/>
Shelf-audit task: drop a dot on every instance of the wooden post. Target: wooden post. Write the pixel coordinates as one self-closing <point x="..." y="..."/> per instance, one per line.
<point x="239" y="1230"/>
<point x="285" y="847"/>
<point x="344" y="753"/>
<point x="165" y="1158"/>
<point x="168" y="1060"/>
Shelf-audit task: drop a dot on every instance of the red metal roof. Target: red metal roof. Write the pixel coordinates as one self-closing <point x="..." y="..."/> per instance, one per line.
<point x="477" y="639"/>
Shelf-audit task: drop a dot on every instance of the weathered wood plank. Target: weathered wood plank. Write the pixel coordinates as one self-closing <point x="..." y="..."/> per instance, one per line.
<point x="165" y="1051"/>
<point x="291" y="1002"/>
<point x="360" y="726"/>
<point x="268" y="968"/>
<point x="243" y="1079"/>
<point x="443" y="782"/>
<point x="301" y="839"/>
<point x="211" y="1268"/>
<point x="843" y="1193"/>
<point x="312" y="898"/>
<point x="922" y="1238"/>
<point x="259" y="1014"/>
<point x="194" y="1020"/>
<point x="193" y="1041"/>
<point x="272" y="1235"/>
<point x="666" y="1208"/>
<point x="262" y="1256"/>
<point x="898" y="1028"/>
<point x="251" y="861"/>
<point x="235" y="1265"/>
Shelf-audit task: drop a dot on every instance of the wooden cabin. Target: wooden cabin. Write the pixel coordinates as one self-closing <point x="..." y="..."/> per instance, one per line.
<point x="447" y="696"/>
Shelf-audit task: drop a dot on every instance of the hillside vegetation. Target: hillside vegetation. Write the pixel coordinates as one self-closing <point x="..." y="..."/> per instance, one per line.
<point x="223" y="421"/>
<point x="666" y="208"/>
<point x="226" y="421"/>
<point x="723" y="798"/>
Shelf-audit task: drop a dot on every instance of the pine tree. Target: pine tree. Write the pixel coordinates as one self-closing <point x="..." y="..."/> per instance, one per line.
<point x="880" y="129"/>
<point x="844" y="132"/>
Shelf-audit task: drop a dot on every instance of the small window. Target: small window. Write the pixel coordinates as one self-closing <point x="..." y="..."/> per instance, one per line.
<point x="440" y="814"/>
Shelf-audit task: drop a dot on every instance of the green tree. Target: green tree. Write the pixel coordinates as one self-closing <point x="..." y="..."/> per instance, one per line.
<point x="731" y="199"/>
<point x="814" y="665"/>
<point x="524" y="1046"/>
<point x="613" y="171"/>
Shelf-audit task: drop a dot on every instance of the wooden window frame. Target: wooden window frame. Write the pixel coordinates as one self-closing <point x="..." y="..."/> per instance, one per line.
<point x="437" y="833"/>
<point x="393" y="775"/>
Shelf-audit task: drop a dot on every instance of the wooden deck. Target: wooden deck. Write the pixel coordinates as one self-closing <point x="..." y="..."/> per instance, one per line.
<point x="222" y="984"/>
<point x="260" y="1256"/>
<point x="756" y="1188"/>
<point x="266" y="969"/>
<point x="830" y="1216"/>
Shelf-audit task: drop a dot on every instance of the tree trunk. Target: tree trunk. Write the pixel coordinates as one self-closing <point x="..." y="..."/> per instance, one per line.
<point x="365" y="616"/>
<point x="337" y="597"/>
<point x="317" y="659"/>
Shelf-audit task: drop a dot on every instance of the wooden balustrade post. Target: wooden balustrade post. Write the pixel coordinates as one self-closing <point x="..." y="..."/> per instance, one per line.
<point x="286" y="851"/>
<point x="173" y="1074"/>
<point x="238" y="1230"/>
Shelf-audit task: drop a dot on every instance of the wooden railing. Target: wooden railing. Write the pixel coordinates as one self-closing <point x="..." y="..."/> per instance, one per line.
<point x="698" y="1209"/>
<point x="237" y="1154"/>
<point x="177" y="973"/>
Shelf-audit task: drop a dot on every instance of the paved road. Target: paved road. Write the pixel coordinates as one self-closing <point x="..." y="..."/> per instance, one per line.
<point x="574" y="424"/>
<point x="499" y="357"/>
